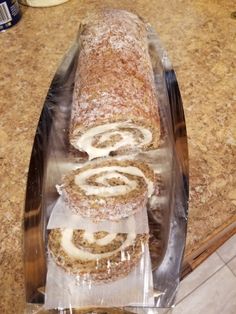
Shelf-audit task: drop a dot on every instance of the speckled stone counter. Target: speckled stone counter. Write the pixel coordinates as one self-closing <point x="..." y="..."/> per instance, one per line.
<point x="200" y="38"/>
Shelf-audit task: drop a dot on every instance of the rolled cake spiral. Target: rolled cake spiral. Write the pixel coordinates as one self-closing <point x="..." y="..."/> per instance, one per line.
<point x="96" y="257"/>
<point x="114" y="102"/>
<point x="108" y="189"/>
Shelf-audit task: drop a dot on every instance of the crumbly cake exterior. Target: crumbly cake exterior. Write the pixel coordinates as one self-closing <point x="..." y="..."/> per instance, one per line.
<point x="114" y="81"/>
<point x="129" y="184"/>
<point x="97" y="270"/>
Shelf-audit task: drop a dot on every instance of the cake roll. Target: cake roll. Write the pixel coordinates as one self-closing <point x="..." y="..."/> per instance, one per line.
<point x="108" y="189"/>
<point x="96" y="257"/>
<point x="114" y="107"/>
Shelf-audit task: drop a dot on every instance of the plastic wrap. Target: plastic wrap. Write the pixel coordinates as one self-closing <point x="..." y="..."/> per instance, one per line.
<point x="146" y="269"/>
<point x="61" y="217"/>
<point x="63" y="289"/>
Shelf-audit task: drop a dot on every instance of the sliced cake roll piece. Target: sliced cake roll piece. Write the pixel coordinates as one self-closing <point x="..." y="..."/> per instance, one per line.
<point x="108" y="189"/>
<point x="96" y="257"/>
<point x="114" y="106"/>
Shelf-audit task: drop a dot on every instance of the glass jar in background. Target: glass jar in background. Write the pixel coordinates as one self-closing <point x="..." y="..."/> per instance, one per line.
<point x="10" y="14"/>
<point x="42" y="3"/>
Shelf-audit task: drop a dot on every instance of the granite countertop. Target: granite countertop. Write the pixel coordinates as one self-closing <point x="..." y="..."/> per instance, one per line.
<point x="200" y="39"/>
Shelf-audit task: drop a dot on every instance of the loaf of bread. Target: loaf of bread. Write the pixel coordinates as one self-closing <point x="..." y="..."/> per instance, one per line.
<point x="96" y="257"/>
<point x="108" y="188"/>
<point x="114" y="108"/>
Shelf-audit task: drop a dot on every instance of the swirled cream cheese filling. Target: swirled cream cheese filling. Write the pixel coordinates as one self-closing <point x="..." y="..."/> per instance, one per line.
<point x="103" y="241"/>
<point x="111" y="172"/>
<point x="77" y="253"/>
<point x="107" y="131"/>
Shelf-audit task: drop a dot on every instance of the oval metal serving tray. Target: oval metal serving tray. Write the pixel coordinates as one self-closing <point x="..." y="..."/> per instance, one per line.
<point x="43" y="175"/>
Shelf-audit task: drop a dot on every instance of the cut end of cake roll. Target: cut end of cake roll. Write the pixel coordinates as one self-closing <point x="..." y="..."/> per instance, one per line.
<point x="109" y="189"/>
<point x="115" y="138"/>
<point x="115" y="107"/>
<point x="98" y="257"/>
